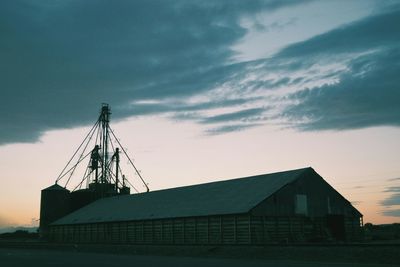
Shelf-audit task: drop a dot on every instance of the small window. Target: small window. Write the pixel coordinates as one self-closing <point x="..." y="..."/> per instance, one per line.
<point x="301" y="204"/>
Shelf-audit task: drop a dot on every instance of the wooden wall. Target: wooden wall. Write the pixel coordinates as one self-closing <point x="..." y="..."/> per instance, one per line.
<point x="225" y="229"/>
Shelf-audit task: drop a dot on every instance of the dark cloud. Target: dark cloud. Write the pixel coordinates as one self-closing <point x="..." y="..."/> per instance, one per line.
<point x="230" y="128"/>
<point x="366" y="95"/>
<point x="61" y="59"/>
<point x="185" y="111"/>
<point x="393" y="189"/>
<point x="362" y="90"/>
<point x="360" y="36"/>
<point x="147" y="108"/>
<point x="271" y="83"/>
<point x="394" y="198"/>
<point x="275" y="26"/>
<point x="367" y="92"/>
<point x="245" y="114"/>
<point x="394" y="213"/>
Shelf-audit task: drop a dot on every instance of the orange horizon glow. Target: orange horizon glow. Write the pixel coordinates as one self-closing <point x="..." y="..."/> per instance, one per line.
<point x="167" y="163"/>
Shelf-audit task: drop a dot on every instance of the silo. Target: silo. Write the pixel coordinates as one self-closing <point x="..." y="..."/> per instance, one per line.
<point x="125" y="191"/>
<point x="81" y="198"/>
<point x="54" y="204"/>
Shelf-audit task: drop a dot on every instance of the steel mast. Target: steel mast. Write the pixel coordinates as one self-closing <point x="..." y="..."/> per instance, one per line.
<point x="104" y="120"/>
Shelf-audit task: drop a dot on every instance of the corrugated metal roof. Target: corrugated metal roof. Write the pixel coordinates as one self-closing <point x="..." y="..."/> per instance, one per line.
<point x="222" y="197"/>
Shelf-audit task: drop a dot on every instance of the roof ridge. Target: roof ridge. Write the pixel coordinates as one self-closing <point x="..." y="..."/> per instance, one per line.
<point x="228" y="180"/>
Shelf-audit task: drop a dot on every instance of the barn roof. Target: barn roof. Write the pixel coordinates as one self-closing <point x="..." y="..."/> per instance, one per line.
<point x="216" y="198"/>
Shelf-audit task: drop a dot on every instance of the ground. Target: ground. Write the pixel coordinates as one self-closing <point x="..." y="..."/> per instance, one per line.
<point x="45" y="257"/>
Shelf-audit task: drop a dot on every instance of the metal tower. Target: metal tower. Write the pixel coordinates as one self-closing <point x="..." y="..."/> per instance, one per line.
<point x="103" y="173"/>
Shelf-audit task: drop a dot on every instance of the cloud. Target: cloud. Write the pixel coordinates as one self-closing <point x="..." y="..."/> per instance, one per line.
<point x="157" y="107"/>
<point x="61" y="59"/>
<point x="393" y="213"/>
<point x="366" y="95"/>
<point x="275" y="26"/>
<point x="394" y="198"/>
<point x="246" y="114"/>
<point x="365" y="92"/>
<point x="358" y="187"/>
<point x="393" y="189"/>
<point x="375" y="31"/>
<point x="230" y="128"/>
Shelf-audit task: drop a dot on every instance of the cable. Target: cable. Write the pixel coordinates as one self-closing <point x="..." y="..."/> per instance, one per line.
<point x="59" y="176"/>
<point x="120" y="171"/>
<point x="75" y="165"/>
<point x="123" y="149"/>
<point x="137" y="191"/>
<point x="84" y="149"/>
<point x="84" y="178"/>
<point x="86" y="174"/>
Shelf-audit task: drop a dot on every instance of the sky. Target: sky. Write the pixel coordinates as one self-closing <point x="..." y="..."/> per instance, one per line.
<point x="203" y="91"/>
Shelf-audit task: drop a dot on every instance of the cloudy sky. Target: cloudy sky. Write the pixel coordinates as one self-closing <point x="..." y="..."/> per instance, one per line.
<point x="203" y="91"/>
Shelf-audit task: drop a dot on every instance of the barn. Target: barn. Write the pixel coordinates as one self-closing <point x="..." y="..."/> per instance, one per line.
<point x="290" y="206"/>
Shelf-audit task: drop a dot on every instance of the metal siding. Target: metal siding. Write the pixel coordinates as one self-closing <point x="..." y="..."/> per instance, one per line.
<point x="201" y="230"/>
<point x="54" y="204"/>
<point x="317" y="190"/>
<point x="271" y="219"/>
<point x="177" y="231"/>
<point x="148" y="232"/>
<point x="242" y="229"/>
<point x="190" y="230"/>
<point x="167" y="231"/>
<point x="157" y="232"/>
<point x="214" y="230"/>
